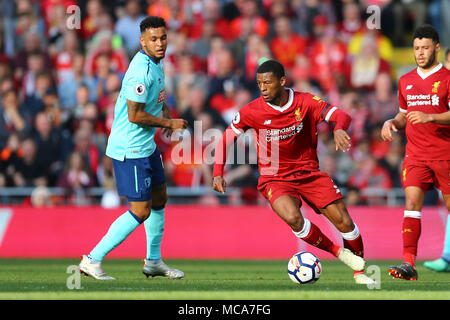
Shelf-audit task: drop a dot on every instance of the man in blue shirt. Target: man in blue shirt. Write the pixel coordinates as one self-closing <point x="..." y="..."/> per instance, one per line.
<point x="136" y="159"/>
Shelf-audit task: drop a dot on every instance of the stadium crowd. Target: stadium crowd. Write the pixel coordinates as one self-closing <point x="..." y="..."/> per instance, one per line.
<point x="58" y="85"/>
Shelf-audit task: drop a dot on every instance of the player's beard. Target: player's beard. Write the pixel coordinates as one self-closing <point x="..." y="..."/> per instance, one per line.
<point x="430" y="61"/>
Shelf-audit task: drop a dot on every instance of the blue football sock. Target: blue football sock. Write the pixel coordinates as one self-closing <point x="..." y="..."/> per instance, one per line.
<point x="154" y="229"/>
<point x="119" y="230"/>
<point x="446" y="251"/>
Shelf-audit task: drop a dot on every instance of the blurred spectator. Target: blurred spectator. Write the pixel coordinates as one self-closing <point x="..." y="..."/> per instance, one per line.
<point x="35" y="61"/>
<point x="105" y="173"/>
<point x="64" y="58"/>
<point x="187" y="74"/>
<point x="256" y="48"/>
<point x="403" y="10"/>
<point x="27" y="21"/>
<point x="197" y="105"/>
<point x="41" y="197"/>
<point x="50" y="146"/>
<point x="382" y="102"/>
<point x="249" y="15"/>
<point x="365" y="66"/>
<point x="128" y="26"/>
<point x="105" y="43"/>
<point x="370" y="174"/>
<point x="34" y="102"/>
<point x="9" y="155"/>
<point x="286" y="45"/>
<point x="68" y="87"/>
<point x="351" y="21"/>
<point x="226" y="66"/>
<point x="34" y="44"/>
<point x="75" y="179"/>
<point x="352" y="104"/>
<point x="392" y="161"/>
<point x="29" y="170"/>
<point x="382" y="44"/>
<point x="328" y="59"/>
<point x="308" y="10"/>
<point x="184" y="160"/>
<point x="110" y="85"/>
<point x="90" y="23"/>
<point x="86" y="148"/>
<point x="13" y="117"/>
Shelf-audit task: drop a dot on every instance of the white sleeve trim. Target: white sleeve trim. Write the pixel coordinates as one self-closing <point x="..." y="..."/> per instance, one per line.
<point x="402" y="110"/>
<point x="329" y="113"/>
<point x="236" y="130"/>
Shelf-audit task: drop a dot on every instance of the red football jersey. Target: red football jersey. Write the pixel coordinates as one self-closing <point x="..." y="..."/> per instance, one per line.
<point x="429" y="93"/>
<point x="286" y="136"/>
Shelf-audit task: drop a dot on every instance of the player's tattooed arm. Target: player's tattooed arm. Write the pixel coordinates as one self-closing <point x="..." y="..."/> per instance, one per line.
<point x="166" y="111"/>
<point x="420" y="117"/>
<point x="398" y="123"/>
<point x="168" y="115"/>
<point x="137" y="115"/>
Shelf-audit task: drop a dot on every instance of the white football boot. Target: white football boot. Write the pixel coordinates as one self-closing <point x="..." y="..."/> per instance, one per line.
<point x="93" y="269"/>
<point x="350" y="259"/>
<point x="161" y="269"/>
<point x="361" y="278"/>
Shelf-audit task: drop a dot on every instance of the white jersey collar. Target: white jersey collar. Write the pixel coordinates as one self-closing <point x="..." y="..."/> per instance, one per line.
<point x="426" y="75"/>
<point x="288" y="103"/>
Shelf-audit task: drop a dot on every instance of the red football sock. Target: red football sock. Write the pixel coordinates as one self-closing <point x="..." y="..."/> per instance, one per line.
<point x="317" y="239"/>
<point x="356" y="246"/>
<point x="410" y="232"/>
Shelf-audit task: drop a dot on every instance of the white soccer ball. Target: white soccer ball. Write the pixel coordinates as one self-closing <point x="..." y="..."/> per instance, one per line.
<point x="304" y="267"/>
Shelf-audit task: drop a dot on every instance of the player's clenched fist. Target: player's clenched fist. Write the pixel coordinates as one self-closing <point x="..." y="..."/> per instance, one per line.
<point x="386" y="131"/>
<point x="219" y="184"/>
<point x="177" y="124"/>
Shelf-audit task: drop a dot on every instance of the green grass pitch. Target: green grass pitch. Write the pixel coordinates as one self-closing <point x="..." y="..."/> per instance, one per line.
<point x="47" y="279"/>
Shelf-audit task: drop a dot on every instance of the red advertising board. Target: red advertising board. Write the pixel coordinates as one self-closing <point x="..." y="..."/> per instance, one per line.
<point x="203" y="232"/>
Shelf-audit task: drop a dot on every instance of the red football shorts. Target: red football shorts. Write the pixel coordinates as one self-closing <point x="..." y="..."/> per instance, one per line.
<point x="315" y="188"/>
<point x="426" y="173"/>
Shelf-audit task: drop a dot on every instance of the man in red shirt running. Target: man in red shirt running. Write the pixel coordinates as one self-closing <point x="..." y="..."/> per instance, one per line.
<point x="284" y="126"/>
<point x="424" y="97"/>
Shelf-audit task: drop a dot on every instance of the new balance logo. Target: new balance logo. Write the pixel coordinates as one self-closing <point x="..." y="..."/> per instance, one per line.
<point x="268" y="122"/>
<point x="408" y="86"/>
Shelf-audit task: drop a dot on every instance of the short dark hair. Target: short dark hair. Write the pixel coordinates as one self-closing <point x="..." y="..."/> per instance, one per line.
<point x="152" y="22"/>
<point x="426" y="31"/>
<point x="272" y="66"/>
<point x="447" y="52"/>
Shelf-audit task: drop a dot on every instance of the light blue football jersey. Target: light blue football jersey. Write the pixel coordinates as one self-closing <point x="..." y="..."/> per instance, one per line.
<point x="144" y="83"/>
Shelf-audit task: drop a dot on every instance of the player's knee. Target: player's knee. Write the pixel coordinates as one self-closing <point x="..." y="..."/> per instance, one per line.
<point x="295" y="220"/>
<point x="344" y="224"/>
<point x="141" y="211"/>
<point x="413" y="204"/>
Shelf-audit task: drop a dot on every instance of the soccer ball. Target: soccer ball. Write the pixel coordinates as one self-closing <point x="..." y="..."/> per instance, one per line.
<point x="304" y="267"/>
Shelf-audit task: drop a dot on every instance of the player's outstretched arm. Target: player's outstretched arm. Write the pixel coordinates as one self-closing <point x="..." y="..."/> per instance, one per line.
<point x="220" y="156"/>
<point x="342" y="121"/>
<point x="420" y="117"/>
<point x="137" y="115"/>
<point x="398" y="123"/>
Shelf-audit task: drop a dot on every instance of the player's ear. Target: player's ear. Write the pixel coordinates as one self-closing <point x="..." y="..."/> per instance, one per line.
<point x="283" y="81"/>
